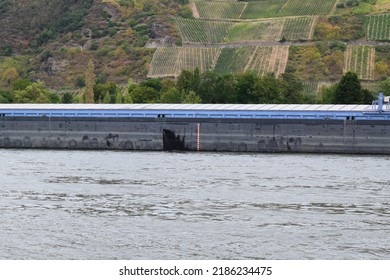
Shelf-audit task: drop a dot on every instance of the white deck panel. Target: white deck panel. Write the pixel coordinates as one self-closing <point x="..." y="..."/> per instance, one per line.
<point x="228" y="107"/>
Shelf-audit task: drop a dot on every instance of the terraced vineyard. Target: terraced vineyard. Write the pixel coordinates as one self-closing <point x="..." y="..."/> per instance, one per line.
<point x="169" y="62"/>
<point x="292" y="29"/>
<point x="233" y="59"/>
<point x="361" y="60"/>
<point x="256" y="26"/>
<point x="206" y="31"/>
<point x="278" y="60"/>
<point x="202" y="58"/>
<point x="256" y="31"/>
<point x="269" y="59"/>
<point x="164" y="62"/>
<point x="263" y="9"/>
<point x="307" y="7"/>
<point x="203" y="31"/>
<point x="378" y="27"/>
<point x="219" y="9"/>
<point x="300" y="28"/>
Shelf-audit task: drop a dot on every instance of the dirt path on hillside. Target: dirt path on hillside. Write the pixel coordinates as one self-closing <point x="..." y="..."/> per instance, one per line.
<point x="312" y="27"/>
<point x="194" y="9"/>
<point x="334" y="7"/>
<point x="275" y="43"/>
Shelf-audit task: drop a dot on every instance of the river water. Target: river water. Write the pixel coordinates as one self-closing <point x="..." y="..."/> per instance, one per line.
<point x="155" y="205"/>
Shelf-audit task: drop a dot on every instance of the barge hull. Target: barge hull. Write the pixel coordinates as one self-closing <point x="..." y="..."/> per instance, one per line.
<point x="193" y="134"/>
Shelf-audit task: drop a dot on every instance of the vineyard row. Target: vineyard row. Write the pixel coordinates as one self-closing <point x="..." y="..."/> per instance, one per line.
<point x="361" y="60"/>
<point x="378" y="27"/>
<point x="206" y="31"/>
<point x="262" y="9"/>
<point x="171" y="61"/>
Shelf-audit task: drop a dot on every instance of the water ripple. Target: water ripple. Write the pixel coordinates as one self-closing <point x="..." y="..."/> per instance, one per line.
<point x="60" y="204"/>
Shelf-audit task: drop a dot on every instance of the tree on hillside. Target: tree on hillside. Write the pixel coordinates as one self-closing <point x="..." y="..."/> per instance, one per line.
<point x="36" y="93"/>
<point x="207" y="88"/>
<point x="349" y="90"/>
<point x="291" y="88"/>
<point x="247" y="87"/>
<point x="185" y="81"/>
<point x="269" y="88"/>
<point x="144" y="94"/>
<point x="89" y="82"/>
<point x="385" y="87"/>
<point x="9" y="75"/>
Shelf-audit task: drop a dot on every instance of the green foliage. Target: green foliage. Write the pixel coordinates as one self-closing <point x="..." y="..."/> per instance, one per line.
<point x="327" y="94"/>
<point x="192" y="98"/>
<point x="45" y="36"/>
<point x="20" y="84"/>
<point x="53" y="18"/>
<point x="185" y="12"/>
<point x="356" y="7"/>
<point x="206" y="87"/>
<point x="7" y="50"/>
<point x="344" y="28"/>
<point x="4" y="6"/>
<point x="35" y="93"/>
<point x="6" y="96"/>
<point x="80" y="82"/>
<point x="54" y="97"/>
<point x="291" y="89"/>
<point x="362" y="9"/>
<point x="349" y="90"/>
<point x="105" y="92"/>
<point x="320" y="62"/>
<point x="171" y="96"/>
<point x="144" y="94"/>
<point x="118" y="97"/>
<point x="67" y="98"/>
<point x="185" y="81"/>
<point x="306" y="62"/>
<point x="94" y="46"/>
<point x="385" y="87"/>
<point x="246" y="87"/>
<point x="107" y="98"/>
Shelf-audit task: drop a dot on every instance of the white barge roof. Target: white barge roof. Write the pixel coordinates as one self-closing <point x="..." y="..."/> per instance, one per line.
<point x="198" y="107"/>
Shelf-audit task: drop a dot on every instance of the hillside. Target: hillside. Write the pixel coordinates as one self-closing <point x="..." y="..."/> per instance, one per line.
<point x="316" y="41"/>
<point x="52" y="41"/>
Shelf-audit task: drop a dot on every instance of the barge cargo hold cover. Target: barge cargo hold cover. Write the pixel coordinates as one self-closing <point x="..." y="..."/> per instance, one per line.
<point x="198" y="127"/>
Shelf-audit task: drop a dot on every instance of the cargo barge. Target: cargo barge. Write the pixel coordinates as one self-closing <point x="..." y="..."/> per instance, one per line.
<point x="199" y="127"/>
